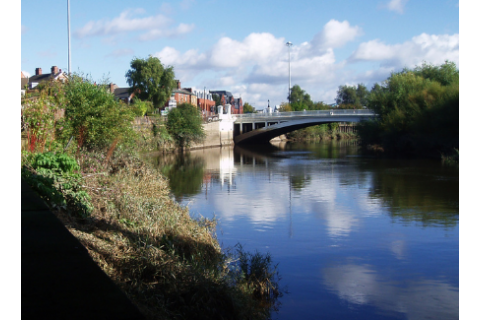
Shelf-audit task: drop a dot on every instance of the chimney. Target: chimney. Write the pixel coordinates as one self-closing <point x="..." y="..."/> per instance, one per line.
<point x="113" y="86"/>
<point x="38" y="71"/>
<point x="179" y="85"/>
<point x="54" y="70"/>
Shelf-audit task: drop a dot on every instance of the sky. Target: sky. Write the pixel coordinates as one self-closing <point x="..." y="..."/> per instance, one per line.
<point x="240" y="46"/>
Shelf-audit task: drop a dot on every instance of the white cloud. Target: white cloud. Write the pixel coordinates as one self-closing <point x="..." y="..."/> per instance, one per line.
<point x="397" y="5"/>
<point x="26" y="74"/>
<point x="335" y="34"/>
<point x="261" y="59"/>
<point x="430" y="48"/>
<point x="156" y="26"/>
<point x="256" y="47"/>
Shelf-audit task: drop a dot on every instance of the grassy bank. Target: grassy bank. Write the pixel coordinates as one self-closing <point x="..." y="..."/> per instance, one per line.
<point x="169" y="264"/>
<point x="82" y="155"/>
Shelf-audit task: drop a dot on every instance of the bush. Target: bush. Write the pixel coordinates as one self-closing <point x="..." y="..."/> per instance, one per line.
<point x="184" y="124"/>
<point x="418" y="112"/>
<point x="93" y="116"/>
<point x="54" y="177"/>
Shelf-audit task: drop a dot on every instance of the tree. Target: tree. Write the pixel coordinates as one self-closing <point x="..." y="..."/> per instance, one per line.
<point x="140" y="108"/>
<point x="217" y="99"/>
<point x="247" y="108"/>
<point x="285" y="107"/>
<point x="184" y="124"/>
<point x="150" y="80"/>
<point x="352" y="96"/>
<point x="299" y="99"/>
<point x="93" y="116"/>
<point x="417" y="111"/>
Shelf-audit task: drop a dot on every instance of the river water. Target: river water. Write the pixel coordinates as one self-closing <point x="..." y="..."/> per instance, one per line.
<point x="354" y="237"/>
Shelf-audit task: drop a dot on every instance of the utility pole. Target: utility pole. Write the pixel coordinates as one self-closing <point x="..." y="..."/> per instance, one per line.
<point x="68" y="22"/>
<point x="289" y="44"/>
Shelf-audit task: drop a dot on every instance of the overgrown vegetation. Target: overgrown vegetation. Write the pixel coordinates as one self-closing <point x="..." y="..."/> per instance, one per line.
<point x="184" y="124"/>
<point x="57" y="179"/>
<point x="327" y="131"/>
<point x="85" y="164"/>
<point x="418" y="112"/>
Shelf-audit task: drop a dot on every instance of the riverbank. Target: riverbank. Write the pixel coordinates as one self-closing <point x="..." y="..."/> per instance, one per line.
<point x="55" y="269"/>
<point x="169" y="264"/>
<point x="323" y="132"/>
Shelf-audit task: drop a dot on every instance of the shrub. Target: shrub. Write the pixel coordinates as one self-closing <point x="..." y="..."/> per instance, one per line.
<point x="184" y="124"/>
<point x="54" y="177"/>
<point x="93" y="116"/>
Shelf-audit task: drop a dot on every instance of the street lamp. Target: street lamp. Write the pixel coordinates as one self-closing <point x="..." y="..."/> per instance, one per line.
<point x="289" y="44"/>
<point x="68" y="22"/>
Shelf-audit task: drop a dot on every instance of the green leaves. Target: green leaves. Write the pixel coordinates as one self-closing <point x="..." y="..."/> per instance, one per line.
<point x="418" y="111"/>
<point x="53" y="177"/>
<point x="150" y="80"/>
<point x="93" y="116"/>
<point x="184" y="124"/>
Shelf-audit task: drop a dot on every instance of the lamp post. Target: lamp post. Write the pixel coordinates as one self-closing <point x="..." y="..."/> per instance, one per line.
<point x="68" y="22"/>
<point x="289" y="44"/>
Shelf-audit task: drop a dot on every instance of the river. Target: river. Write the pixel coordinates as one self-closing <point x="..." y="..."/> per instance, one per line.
<point x="354" y="237"/>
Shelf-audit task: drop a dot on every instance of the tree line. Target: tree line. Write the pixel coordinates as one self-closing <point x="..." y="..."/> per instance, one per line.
<point x="418" y="110"/>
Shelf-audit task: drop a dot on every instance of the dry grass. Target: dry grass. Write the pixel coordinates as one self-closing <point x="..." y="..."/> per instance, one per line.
<point x="170" y="265"/>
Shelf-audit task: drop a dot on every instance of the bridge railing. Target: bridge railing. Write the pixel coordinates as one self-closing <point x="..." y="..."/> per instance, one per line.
<point x="306" y="113"/>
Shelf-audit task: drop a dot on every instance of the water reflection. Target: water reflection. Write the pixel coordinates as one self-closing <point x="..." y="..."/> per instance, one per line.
<point x="375" y="235"/>
<point x="416" y="298"/>
<point x="333" y="184"/>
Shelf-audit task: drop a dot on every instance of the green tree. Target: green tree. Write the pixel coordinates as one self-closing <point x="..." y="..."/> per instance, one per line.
<point x="299" y="99"/>
<point x="418" y="111"/>
<point x="140" y="108"/>
<point x="247" y="108"/>
<point x="93" y="116"/>
<point x="352" y="96"/>
<point x="184" y="124"/>
<point x="150" y="80"/>
<point x="285" y="107"/>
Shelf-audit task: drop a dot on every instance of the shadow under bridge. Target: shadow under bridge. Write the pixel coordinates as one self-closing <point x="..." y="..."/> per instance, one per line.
<point x="260" y="128"/>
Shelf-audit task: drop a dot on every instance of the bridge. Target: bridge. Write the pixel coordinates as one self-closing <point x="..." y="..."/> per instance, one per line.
<point x="259" y="128"/>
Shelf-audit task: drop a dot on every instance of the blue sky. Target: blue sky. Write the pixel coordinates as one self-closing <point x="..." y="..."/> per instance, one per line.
<point x="240" y="45"/>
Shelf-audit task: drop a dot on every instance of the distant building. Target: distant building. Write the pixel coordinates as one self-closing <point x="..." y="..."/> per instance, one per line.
<point x="56" y="74"/>
<point x="226" y="97"/>
<point x="205" y="100"/>
<point x="121" y="93"/>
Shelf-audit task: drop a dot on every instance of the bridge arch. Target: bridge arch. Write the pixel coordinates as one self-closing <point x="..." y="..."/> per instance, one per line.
<point x="291" y="121"/>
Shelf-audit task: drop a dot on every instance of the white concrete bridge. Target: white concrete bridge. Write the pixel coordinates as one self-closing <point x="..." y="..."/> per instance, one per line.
<point x="259" y="128"/>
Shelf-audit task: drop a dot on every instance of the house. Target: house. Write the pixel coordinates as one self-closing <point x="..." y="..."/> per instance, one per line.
<point x="181" y="96"/>
<point x="204" y="99"/>
<point x="226" y="97"/>
<point x="56" y="74"/>
<point x="121" y="93"/>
